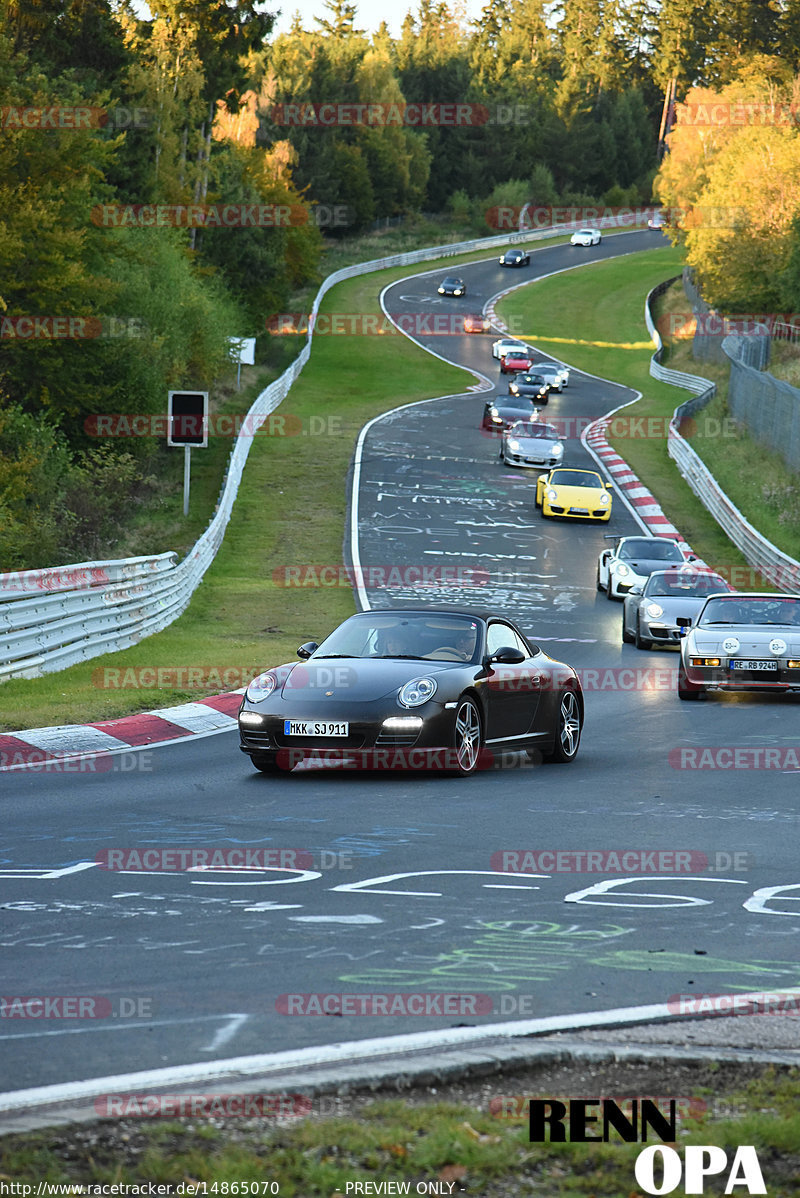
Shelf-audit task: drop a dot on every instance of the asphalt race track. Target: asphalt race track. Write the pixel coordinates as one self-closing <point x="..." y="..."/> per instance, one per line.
<point x="404" y="897"/>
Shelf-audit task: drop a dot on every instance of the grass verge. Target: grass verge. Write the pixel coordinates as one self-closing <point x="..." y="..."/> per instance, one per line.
<point x="613" y="344"/>
<point x="438" y="1142"/>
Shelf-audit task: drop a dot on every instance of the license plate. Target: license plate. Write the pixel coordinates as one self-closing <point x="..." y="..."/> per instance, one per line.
<point x="580" y="511"/>
<point x="315" y="728"/>
<point x="766" y="666"/>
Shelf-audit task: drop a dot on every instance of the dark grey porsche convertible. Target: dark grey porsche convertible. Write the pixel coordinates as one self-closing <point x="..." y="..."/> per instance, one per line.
<point x="428" y="689"/>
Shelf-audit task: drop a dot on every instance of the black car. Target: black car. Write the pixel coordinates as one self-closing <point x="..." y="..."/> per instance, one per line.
<point x="531" y="386"/>
<point x="501" y="413"/>
<point x="452" y="286"/>
<point x="515" y="258"/>
<point x="428" y="688"/>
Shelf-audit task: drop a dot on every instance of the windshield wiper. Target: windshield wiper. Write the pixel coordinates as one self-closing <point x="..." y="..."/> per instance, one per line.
<point x="401" y="656"/>
<point x="317" y="656"/>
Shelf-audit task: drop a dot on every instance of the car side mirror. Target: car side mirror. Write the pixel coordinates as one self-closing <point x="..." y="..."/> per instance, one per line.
<point x="692" y="557"/>
<point x="307" y="649"/>
<point x="507" y="655"/>
<point x="636" y="591"/>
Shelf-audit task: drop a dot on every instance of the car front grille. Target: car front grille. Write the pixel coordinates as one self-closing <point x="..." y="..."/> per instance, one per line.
<point x="398" y="740"/>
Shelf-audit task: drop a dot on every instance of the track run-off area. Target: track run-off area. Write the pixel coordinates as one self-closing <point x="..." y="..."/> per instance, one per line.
<point x="698" y="892"/>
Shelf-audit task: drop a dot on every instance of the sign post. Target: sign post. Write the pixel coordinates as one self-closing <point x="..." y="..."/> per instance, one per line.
<point x="187" y="425"/>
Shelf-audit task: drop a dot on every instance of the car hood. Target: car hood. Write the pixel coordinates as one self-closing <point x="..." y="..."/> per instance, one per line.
<point x="577" y="496"/>
<point x="754" y="641"/>
<point x="644" y="566"/>
<point x="342" y="679"/>
<point x="674" y="606"/>
<point x="535" y="445"/>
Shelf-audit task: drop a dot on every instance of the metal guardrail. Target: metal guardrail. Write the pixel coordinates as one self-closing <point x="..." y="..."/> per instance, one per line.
<point x="54" y="618"/>
<point x="777" y="567"/>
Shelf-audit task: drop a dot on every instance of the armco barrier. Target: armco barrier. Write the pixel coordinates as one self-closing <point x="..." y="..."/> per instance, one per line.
<point x="756" y="549"/>
<point x="52" y="627"/>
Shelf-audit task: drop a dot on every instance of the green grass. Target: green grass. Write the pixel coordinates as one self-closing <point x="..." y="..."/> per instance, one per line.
<point x="402" y="1141"/>
<point x="611" y="341"/>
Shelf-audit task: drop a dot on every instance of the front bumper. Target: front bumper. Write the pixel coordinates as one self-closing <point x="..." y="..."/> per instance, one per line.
<point x="723" y="677"/>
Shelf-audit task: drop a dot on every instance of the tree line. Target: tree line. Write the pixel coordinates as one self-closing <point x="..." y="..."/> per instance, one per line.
<point x="138" y="157"/>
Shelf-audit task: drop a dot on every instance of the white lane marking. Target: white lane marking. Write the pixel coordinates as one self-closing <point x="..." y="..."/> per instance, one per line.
<point x="141" y="1024"/>
<point x="206" y="1072"/>
<point x="226" y="1033"/>
<point x="47" y="873"/>
<point x="358" y="919"/>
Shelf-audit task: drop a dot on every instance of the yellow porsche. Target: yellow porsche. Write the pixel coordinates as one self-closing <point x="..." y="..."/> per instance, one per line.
<point x="579" y="494"/>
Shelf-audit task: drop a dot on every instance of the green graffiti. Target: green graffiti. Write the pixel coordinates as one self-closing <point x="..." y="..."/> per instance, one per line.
<point x="507" y="953"/>
<point x="510" y="952"/>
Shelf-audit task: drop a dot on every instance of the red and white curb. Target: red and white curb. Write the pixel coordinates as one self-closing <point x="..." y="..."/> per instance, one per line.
<point x="46" y="747"/>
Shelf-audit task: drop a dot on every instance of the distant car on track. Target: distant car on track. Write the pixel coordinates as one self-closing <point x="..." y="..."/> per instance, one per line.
<point x="531" y="385"/>
<point x="501" y="347"/>
<point x="477" y="324"/>
<point x="501" y="413"/>
<point x="577" y="494"/>
<point x="532" y="443"/>
<point x="452" y="286"/>
<point x="557" y="376"/>
<point x="424" y="688"/>
<point x="651" y="612"/>
<point x="515" y="258"/>
<point x="516" y="361"/>
<point x="586" y="237"/>
<point x="745" y="641"/>
<point x="633" y="559"/>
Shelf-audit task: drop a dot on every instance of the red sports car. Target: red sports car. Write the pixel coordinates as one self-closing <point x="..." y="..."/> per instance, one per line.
<point x="476" y="324"/>
<point x="516" y="361"/>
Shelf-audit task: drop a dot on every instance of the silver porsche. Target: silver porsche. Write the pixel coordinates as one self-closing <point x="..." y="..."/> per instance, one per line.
<point x="745" y="641"/>
<point x="651" y="610"/>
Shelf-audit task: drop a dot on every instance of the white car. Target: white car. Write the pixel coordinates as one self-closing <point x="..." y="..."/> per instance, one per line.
<point x="748" y="642"/>
<point x="500" y="348"/>
<point x="633" y="560"/>
<point x="586" y="237"/>
<point x="554" y="374"/>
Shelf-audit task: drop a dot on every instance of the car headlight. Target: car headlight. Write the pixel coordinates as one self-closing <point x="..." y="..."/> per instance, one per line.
<point x="261" y="687"/>
<point x="605" y="499"/>
<point x="558" y="451"/>
<point x="513" y="445"/>
<point x="417" y="692"/>
<point x="653" y="611"/>
<point x="493" y="411"/>
<point x="552" y="494"/>
<point x="441" y="291"/>
<point x="457" y="291"/>
<point x="621" y="570"/>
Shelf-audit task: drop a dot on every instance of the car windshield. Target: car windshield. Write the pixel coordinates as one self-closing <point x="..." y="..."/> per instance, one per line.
<point x="753" y="610"/>
<point x="451" y="283"/>
<point x="575" y="478"/>
<point x="688" y="585"/>
<point x="517" y="353"/>
<point x="652" y="549"/>
<point x="527" y="428"/>
<point x="407" y="635"/>
<point x="533" y="380"/>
